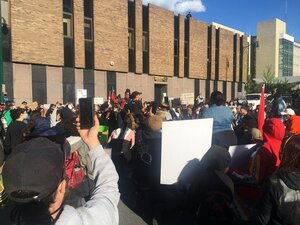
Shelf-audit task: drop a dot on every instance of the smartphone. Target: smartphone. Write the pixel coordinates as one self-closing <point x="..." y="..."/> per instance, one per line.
<point x="86" y="113"/>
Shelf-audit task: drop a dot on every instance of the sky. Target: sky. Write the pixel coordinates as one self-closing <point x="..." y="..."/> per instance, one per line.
<point x="241" y="15"/>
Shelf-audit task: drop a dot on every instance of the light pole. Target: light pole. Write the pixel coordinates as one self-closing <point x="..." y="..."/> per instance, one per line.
<point x="255" y="45"/>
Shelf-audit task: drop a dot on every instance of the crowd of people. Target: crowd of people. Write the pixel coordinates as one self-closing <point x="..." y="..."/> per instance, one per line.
<point x="36" y="187"/>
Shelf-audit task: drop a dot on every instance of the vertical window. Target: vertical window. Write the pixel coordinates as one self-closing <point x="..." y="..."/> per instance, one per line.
<point x="68" y="84"/>
<point x="68" y="33"/>
<point x="145" y="39"/>
<point x="145" y="42"/>
<point x="176" y="47"/>
<point x="68" y="25"/>
<point x="131" y="38"/>
<point x="88" y="32"/>
<point x="111" y="81"/>
<point x="89" y="82"/>
<point x="39" y="83"/>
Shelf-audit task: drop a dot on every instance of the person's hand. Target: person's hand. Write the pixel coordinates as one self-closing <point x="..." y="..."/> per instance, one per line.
<point x="89" y="136"/>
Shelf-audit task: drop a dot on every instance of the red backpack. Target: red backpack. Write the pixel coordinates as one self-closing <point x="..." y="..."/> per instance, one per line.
<point x="74" y="170"/>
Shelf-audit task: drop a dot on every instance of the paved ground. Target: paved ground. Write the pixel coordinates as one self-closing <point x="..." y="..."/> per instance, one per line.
<point x="128" y="217"/>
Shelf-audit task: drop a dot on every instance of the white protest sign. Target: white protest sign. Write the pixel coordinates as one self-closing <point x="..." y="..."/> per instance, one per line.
<point x="98" y="101"/>
<point x="187" y="98"/>
<point x="240" y="155"/>
<point x="80" y="93"/>
<point x="183" y="141"/>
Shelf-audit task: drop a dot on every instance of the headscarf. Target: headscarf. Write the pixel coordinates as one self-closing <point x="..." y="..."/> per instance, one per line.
<point x="273" y="133"/>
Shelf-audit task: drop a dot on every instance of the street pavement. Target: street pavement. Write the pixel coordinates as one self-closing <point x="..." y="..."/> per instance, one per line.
<point x="128" y="217"/>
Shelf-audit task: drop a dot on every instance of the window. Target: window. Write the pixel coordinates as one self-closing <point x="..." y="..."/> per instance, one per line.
<point x="131" y="38"/>
<point x="175" y="47"/>
<point x="145" y="42"/>
<point x="186" y="49"/>
<point x="88" y="31"/>
<point x="68" y="25"/>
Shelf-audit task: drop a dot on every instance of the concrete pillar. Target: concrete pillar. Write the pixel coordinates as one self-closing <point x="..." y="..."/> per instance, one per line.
<point x="54" y="84"/>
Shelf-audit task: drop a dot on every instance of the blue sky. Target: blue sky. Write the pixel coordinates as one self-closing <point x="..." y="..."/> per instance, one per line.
<point x="239" y="14"/>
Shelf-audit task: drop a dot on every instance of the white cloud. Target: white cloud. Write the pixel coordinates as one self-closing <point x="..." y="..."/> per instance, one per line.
<point x="179" y="6"/>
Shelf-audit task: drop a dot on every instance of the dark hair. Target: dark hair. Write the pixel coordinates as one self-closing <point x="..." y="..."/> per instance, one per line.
<point x="127" y="91"/>
<point x="217" y="98"/>
<point x="291" y="154"/>
<point x="16" y="113"/>
<point x="30" y="125"/>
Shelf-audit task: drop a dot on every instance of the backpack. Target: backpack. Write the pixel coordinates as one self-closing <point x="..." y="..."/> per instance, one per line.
<point x="74" y="170"/>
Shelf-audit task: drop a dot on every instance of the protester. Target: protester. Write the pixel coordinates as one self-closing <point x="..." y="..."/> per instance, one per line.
<point x="123" y="139"/>
<point x="127" y="96"/>
<point x="208" y="190"/>
<point x="136" y="106"/>
<point x="40" y="196"/>
<point x="246" y="123"/>
<point x="6" y="118"/>
<point x="292" y="121"/>
<point x="223" y="133"/>
<point x="16" y="130"/>
<point x="66" y="126"/>
<point x="277" y="106"/>
<point x="279" y="202"/>
<point x="266" y="159"/>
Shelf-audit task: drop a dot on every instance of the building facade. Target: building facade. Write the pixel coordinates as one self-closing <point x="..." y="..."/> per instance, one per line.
<point x="296" y="62"/>
<point x="278" y="52"/>
<point x="51" y="50"/>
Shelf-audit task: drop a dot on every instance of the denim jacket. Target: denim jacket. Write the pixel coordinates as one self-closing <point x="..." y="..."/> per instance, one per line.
<point x="222" y="116"/>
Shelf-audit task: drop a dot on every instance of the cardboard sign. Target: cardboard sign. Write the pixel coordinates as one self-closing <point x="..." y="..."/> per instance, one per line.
<point x="183" y="141"/>
<point x="98" y="101"/>
<point x="187" y="98"/>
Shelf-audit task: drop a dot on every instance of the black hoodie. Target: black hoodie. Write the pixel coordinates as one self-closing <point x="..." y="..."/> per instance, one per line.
<point x="280" y="199"/>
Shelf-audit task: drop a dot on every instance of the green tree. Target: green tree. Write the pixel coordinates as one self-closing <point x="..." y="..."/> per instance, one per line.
<point x="273" y="84"/>
<point x="251" y="86"/>
<point x="270" y="80"/>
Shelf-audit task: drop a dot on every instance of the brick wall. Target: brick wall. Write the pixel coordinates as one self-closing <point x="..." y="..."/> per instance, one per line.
<point x="79" y="47"/>
<point x="197" y="49"/>
<point x="161" y="41"/>
<point x="138" y="36"/>
<point x="181" y="46"/>
<point x="226" y="55"/>
<point x="37" y="32"/>
<point x="213" y="53"/>
<point x="111" y="35"/>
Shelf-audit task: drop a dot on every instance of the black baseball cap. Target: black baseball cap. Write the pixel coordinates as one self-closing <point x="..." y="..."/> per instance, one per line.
<point x="35" y="166"/>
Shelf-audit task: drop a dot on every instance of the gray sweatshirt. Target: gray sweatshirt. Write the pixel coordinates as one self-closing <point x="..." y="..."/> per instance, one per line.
<point x="102" y="207"/>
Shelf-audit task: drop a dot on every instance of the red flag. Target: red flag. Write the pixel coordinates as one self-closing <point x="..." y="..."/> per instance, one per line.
<point x="261" y="110"/>
<point x="113" y="97"/>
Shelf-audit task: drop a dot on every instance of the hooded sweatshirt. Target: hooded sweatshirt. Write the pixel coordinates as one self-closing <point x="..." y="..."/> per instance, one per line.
<point x="273" y="132"/>
<point x="266" y="159"/>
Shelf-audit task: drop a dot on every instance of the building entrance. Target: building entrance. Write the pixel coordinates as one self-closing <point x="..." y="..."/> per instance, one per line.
<point x="160" y="90"/>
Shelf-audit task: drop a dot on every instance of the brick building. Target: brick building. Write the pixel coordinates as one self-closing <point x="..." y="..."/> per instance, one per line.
<point x="52" y="48"/>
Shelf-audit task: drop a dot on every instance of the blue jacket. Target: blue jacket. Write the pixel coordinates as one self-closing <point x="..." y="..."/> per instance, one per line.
<point x="222" y="116"/>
